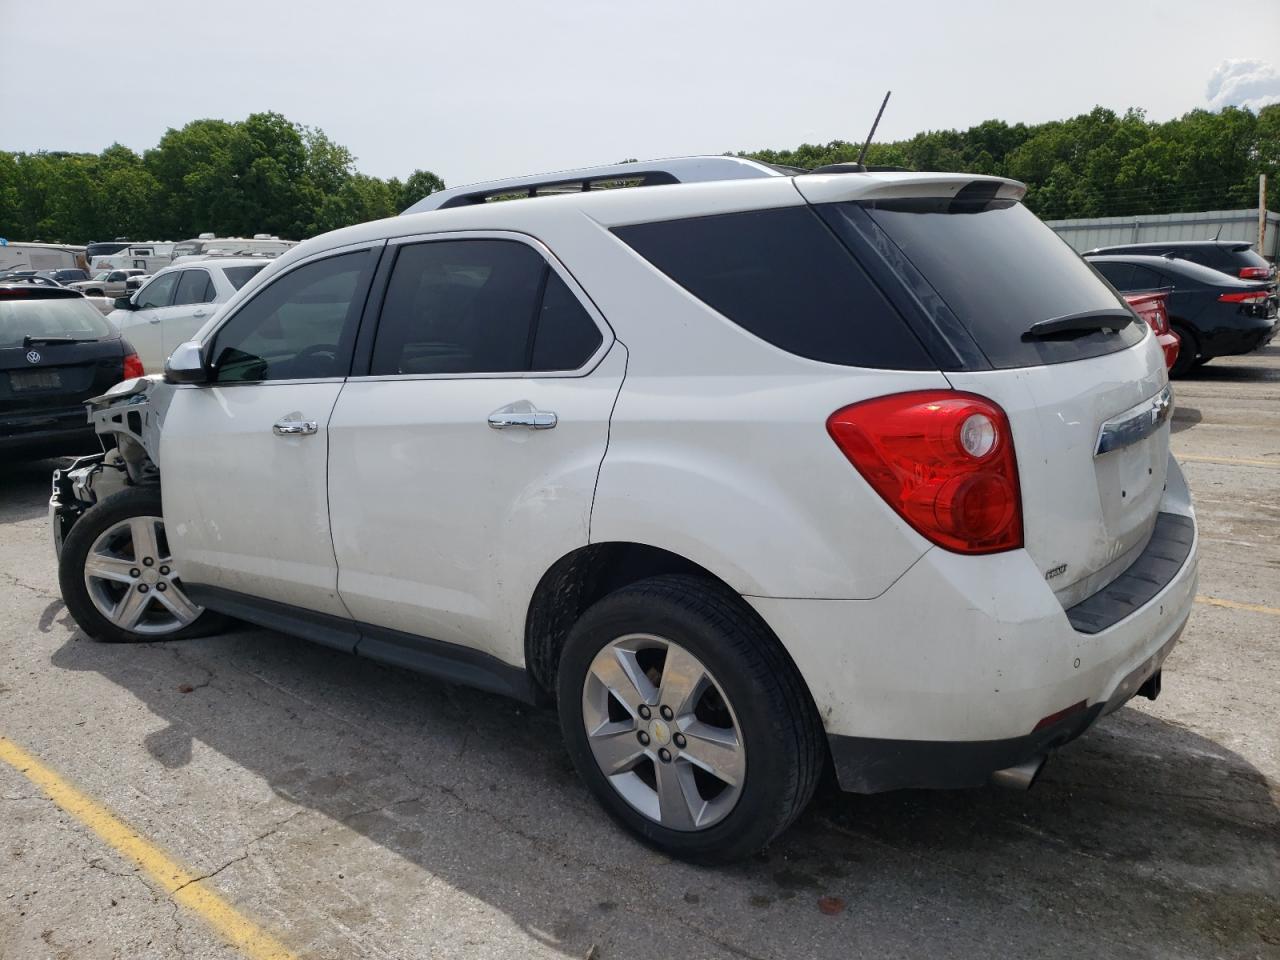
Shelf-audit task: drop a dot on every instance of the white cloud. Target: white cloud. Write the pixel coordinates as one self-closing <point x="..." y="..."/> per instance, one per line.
<point x="1243" y="83"/>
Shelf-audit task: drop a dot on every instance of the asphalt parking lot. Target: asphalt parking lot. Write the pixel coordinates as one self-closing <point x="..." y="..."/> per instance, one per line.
<point x="302" y="803"/>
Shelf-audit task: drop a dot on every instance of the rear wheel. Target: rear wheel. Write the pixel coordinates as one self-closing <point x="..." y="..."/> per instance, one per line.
<point x="686" y="719"/>
<point x="1187" y="351"/>
<point x="118" y="576"/>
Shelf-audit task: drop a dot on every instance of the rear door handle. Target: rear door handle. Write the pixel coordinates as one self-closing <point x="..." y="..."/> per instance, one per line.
<point x="200" y="313"/>
<point x="514" y="416"/>
<point x="294" y="428"/>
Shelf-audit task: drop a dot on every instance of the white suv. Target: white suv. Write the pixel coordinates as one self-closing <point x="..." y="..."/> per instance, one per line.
<point x="746" y="476"/>
<point x="176" y="302"/>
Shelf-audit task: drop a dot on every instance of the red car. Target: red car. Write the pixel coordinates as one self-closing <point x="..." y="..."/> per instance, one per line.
<point x="1151" y="308"/>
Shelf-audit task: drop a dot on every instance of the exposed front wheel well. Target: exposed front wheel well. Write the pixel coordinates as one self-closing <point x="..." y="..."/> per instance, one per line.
<point x="579" y="579"/>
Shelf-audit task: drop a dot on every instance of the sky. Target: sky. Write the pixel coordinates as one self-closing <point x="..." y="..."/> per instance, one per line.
<point x="480" y="89"/>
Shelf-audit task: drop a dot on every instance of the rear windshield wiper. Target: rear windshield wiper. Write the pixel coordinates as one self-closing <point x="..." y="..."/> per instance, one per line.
<point x="1108" y="319"/>
<point x="31" y="341"/>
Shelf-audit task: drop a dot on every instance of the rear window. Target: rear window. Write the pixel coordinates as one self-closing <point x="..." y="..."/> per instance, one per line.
<point x="782" y="275"/>
<point x="997" y="268"/>
<point x="62" y="317"/>
<point x="239" y="276"/>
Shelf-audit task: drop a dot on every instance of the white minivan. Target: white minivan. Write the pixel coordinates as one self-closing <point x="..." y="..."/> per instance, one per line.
<point x="176" y="302"/>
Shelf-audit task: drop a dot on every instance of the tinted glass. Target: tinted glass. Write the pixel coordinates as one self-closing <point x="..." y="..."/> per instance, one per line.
<point x="1000" y="270"/>
<point x="64" y="317"/>
<point x="194" y="286"/>
<point x="239" y="276"/>
<point x="300" y="326"/>
<point x="783" y="276"/>
<point x="566" y="336"/>
<point x="459" y="306"/>
<point x="1120" y="275"/>
<point x="1145" y="278"/>
<point x="157" y="293"/>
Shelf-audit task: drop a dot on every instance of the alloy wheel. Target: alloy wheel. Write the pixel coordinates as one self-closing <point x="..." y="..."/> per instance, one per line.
<point x="663" y="732"/>
<point x="132" y="581"/>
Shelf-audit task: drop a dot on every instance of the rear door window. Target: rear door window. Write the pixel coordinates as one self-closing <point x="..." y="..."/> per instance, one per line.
<point x="194" y="286"/>
<point x="479" y="306"/>
<point x="999" y="269"/>
<point x="1119" y="275"/>
<point x="781" y="275"/>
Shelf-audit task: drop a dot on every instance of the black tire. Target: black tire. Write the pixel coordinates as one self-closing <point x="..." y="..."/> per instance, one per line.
<point x="137" y="501"/>
<point x="1187" y="351"/>
<point x="779" y="727"/>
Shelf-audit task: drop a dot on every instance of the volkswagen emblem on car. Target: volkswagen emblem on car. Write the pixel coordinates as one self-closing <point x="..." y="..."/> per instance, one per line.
<point x="33" y="356"/>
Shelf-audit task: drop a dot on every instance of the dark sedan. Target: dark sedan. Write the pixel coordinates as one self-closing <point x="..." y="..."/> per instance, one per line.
<point x="56" y="351"/>
<point x="1214" y="314"/>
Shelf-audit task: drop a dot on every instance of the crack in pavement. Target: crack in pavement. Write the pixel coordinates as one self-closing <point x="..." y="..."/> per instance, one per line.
<point x="248" y="851"/>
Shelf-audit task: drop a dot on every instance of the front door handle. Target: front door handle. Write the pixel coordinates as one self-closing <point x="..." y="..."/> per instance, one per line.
<point x="294" y="428"/>
<point x="200" y="313"/>
<point x="522" y="415"/>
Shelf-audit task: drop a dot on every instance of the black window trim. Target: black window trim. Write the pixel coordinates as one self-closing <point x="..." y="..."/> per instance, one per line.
<point x="376" y="249"/>
<point x="369" y="327"/>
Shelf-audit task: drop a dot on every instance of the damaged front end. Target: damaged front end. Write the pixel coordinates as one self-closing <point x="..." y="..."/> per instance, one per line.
<point x="127" y="419"/>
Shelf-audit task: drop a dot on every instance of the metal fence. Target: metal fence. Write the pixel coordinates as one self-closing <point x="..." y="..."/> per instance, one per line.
<point x="1085" y="234"/>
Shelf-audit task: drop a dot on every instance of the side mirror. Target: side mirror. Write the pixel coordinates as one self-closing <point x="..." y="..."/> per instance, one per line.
<point x="125" y="303"/>
<point x="186" y="364"/>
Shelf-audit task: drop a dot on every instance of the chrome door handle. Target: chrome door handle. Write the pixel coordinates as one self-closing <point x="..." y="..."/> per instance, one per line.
<point x="294" y="428"/>
<point x="533" y="419"/>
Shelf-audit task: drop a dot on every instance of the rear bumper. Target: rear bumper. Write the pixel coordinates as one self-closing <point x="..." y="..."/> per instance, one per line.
<point x="868" y="765"/>
<point x="948" y="675"/>
<point x="1233" y="341"/>
<point x="49" y="431"/>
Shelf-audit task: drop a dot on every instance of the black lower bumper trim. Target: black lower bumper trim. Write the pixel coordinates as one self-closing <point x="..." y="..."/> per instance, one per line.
<point x="872" y="765"/>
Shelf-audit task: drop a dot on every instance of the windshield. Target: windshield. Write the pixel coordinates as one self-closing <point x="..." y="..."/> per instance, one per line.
<point x="997" y="269"/>
<point x="62" y="317"/>
<point x="103" y="275"/>
<point x="187" y="249"/>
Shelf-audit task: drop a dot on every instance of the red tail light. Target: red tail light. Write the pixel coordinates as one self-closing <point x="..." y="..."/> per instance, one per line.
<point x="1246" y="296"/>
<point x="1255" y="273"/>
<point x="132" y="366"/>
<point x="943" y="460"/>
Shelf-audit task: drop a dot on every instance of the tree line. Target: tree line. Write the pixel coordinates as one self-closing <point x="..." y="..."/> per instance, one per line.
<point x="1097" y="164"/>
<point x="263" y="174"/>
<point x="268" y="174"/>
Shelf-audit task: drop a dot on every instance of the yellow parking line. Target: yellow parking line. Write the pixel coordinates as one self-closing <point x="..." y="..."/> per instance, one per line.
<point x="1242" y="460"/>
<point x="175" y="880"/>
<point x="1235" y="605"/>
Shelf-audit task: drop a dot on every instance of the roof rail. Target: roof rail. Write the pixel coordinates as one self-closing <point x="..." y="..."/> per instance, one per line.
<point x="636" y="173"/>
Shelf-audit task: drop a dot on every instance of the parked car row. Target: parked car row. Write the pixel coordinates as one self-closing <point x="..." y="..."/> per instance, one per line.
<point x="1214" y="311"/>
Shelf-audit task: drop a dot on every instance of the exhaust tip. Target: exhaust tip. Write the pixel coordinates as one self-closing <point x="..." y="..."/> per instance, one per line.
<point x="1022" y="776"/>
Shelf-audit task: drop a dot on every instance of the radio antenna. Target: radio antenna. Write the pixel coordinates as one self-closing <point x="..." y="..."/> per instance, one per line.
<point x="863" y="153"/>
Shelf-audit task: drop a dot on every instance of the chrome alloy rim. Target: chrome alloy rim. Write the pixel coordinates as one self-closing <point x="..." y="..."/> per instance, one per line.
<point x="132" y="581"/>
<point x="663" y="732"/>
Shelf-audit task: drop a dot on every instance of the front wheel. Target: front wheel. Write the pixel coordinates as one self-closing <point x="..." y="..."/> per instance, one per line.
<point x="118" y="576"/>
<point x="687" y="720"/>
